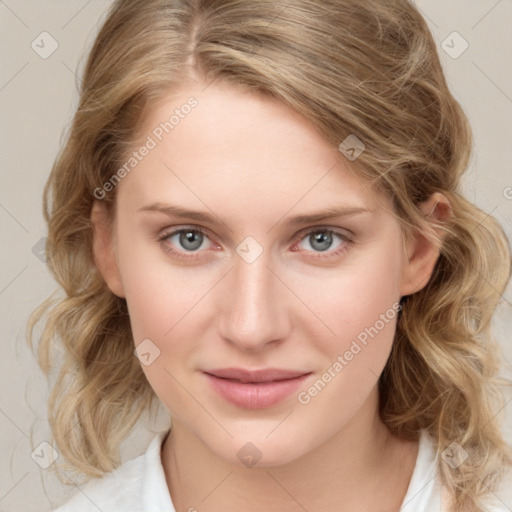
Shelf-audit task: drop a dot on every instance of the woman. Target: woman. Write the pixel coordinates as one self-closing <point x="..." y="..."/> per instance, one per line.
<point x="257" y="221"/>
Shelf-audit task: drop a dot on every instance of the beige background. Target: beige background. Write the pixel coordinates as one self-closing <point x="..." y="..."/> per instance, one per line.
<point x="37" y="99"/>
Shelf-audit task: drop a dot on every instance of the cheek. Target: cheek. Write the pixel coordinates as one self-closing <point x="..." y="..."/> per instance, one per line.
<point x="162" y="303"/>
<point x="363" y="293"/>
<point x="362" y="308"/>
<point x="159" y="303"/>
<point x="158" y="293"/>
<point x="167" y="308"/>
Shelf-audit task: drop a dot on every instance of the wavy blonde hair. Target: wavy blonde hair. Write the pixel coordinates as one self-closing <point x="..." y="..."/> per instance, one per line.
<point x="363" y="67"/>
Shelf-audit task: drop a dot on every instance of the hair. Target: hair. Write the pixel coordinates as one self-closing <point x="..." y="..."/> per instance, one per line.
<point x="363" y="67"/>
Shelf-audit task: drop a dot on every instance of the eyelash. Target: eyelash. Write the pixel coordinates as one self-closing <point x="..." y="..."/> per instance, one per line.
<point x="320" y="256"/>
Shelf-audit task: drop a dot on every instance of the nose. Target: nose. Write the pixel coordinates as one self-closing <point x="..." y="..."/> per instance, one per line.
<point x="255" y="309"/>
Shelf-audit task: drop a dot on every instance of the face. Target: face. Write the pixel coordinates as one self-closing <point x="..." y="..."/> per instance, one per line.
<point x="255" y="286"/>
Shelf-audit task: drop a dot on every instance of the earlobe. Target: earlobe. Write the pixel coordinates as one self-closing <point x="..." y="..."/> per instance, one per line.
<point x="104" y="248"/>
<point x="421" y="252"/>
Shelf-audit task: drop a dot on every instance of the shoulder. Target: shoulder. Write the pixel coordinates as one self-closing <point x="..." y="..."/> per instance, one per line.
<point x="427" y="494"/>
<point x="118" y="490"/>
<point x="124" y="489"/>
<point x="424" y="493"/>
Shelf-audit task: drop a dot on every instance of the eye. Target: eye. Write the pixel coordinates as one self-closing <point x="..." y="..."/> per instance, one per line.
<point x="186" y="239"/>
<point x="187" y="243"/>
<point x="321" y="240"/>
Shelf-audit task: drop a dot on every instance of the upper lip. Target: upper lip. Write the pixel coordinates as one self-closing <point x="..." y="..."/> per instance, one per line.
<point x="264" y="375"/>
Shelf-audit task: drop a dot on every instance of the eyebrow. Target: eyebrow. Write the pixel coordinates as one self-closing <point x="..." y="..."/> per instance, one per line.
<point x="328" y="213"/>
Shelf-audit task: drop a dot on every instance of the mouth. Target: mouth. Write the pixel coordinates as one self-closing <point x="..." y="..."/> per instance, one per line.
<point x="255" y="389"/>
<point x="256" y="376"/>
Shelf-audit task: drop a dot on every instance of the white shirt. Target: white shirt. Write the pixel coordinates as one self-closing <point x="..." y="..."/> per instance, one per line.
<point x="139" y="485"/>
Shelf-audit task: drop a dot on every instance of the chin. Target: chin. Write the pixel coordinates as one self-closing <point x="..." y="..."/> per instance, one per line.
<point x="260" y="452"/>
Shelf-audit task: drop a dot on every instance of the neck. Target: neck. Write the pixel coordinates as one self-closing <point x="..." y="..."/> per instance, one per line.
<point x="361" y="467"/>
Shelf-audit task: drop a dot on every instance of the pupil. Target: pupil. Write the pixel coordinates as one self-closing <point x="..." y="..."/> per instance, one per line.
<point x="323" y="238"/>
<point x="190" y="237"/>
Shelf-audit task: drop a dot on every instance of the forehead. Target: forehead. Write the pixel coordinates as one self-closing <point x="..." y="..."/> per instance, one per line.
<point x="223" y="146"/>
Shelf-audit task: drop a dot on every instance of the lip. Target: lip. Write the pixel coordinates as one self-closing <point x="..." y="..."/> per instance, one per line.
<point x="255" y="389"/>
<point x="263" y="375"/>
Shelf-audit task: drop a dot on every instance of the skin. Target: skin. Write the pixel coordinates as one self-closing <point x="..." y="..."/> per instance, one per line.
<point x="253" y="163"/>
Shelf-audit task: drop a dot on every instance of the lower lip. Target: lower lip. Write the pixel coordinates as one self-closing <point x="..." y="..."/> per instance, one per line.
<point x="255" y="395"/>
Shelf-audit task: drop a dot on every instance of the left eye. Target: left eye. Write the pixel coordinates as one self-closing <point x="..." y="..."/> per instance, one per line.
<point x="189" y="239"/>
<point x="321" y="239"/>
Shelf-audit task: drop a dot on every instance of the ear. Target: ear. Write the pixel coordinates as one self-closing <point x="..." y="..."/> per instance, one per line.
<point x="421" y="252"/>
<point x="103" y="244"/>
